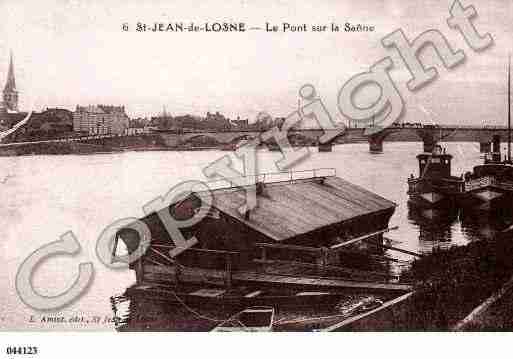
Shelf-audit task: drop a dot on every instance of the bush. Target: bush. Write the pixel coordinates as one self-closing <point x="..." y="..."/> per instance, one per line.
<point x="450" y="283"/>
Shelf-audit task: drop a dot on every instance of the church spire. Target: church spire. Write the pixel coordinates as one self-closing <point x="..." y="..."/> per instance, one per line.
<point x="10" y="93"/>
<point x="10" y="85"/>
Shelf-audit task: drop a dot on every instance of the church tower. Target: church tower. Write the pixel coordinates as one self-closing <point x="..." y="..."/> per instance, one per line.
<point x="10" y="93"/>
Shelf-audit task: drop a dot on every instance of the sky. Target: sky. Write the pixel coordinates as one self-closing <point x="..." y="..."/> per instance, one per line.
<point x="70" y="52"/>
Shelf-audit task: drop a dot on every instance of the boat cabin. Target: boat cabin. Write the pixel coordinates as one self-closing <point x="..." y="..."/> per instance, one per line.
<point x="493" y="171"/>
<point x="495" y="155"/>
<point x="435" y="165"/>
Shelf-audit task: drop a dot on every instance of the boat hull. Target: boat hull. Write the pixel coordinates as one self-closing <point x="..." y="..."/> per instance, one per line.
<point x="220" y="297"/>
<point x="432" y="199"/>
<point x="487" y="199"/>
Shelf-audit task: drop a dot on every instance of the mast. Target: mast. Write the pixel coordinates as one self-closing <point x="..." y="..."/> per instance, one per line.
<point x="509" y="109"/>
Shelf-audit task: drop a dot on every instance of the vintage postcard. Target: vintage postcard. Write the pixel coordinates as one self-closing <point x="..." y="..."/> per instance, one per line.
<point x="243" y="166"/>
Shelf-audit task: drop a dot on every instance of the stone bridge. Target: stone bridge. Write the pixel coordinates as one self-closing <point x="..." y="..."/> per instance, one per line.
<point x="173" y="139"/>
<point x="429" y="135"/>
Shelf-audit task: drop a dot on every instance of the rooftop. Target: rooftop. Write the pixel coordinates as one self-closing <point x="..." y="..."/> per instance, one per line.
<point x="101" y="109"/>
<point x="293" y="207"/>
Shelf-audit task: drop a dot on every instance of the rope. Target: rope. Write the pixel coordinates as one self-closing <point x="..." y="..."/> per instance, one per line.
<point x="195" y="312"/>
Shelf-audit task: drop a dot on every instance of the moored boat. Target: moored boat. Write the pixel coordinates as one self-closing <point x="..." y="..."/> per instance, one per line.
<point x="435" y="187"/>
<point x="489" y="187"/>
<point x="296" y="237"/>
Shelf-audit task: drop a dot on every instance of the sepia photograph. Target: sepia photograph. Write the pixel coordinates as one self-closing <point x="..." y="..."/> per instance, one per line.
<point x="249" y="167"/>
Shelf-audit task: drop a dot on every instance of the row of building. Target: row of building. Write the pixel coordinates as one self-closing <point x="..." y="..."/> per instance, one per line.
<point x="106" y="119"/>
<point x="100" y="119"/>
<point x="96" y="119"/>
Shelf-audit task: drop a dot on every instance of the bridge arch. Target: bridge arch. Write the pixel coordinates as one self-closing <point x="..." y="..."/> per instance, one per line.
<point x="299" y="139"/>
<point x="376" y="139"/>
<point x="245" y="137"/>
<point x="430" y="136"/>
<point x="202" y="139"/>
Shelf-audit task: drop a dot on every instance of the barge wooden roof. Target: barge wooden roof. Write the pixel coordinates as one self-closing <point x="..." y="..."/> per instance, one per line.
<point x="291" y="208"/>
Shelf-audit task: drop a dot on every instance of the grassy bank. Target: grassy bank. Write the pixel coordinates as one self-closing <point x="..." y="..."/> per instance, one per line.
<point x="451" y="283"/>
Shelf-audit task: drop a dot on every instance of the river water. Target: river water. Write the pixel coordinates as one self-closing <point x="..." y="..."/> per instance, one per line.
<point x="42" y="197"/>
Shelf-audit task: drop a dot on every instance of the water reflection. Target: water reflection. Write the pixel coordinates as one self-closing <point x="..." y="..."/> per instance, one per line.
<point x="140" y="313"/>
<point x="484" y="225"/>
<point x="136" y="313"/>
<point x="130" y="179"/>
<point x="435" y="225"/>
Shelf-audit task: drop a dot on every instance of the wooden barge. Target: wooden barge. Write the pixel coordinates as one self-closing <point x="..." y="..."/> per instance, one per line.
<point x="297" y="238"/>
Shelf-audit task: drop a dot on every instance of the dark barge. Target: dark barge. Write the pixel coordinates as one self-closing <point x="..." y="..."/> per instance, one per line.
<point x="298" y="238"/>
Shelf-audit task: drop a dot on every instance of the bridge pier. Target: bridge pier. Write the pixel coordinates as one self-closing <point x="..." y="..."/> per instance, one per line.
<point x="325" y="147"/>
<point x="429" y="145"/>
<point x="428" y="139"/>
<point x="485" y="146"/>
<point x="376" y="143"/>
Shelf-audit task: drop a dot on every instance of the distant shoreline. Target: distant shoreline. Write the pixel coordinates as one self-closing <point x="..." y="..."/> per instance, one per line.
<point x="13" y="153"/>
<point x="62" y="149"/>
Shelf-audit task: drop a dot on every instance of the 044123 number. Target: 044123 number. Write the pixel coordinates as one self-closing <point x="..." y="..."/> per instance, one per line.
<point x="19" y="350"/>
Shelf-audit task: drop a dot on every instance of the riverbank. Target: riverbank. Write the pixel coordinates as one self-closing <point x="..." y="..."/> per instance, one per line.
<point x="92" y="146"/>
<point x="464" y="288"/>
<point x="140" y="142"/>
<point x="450" y="283"/>
<point x="106" y="146"/>
<point x="494" y="314"/>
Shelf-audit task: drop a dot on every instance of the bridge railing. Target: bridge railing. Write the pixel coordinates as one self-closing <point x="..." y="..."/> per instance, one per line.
<point x="272" y="177"/>
<point x="478" y="183"/>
